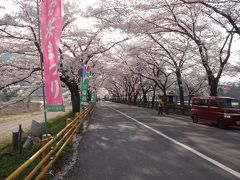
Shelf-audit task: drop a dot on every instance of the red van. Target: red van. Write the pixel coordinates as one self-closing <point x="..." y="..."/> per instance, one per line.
<point x="222" y="111"/>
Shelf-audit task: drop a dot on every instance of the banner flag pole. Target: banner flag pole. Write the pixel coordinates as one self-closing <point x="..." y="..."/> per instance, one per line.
<point x="41" y="62"/>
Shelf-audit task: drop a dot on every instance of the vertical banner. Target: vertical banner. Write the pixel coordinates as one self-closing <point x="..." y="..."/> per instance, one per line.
<point x="51" y="29"/>
<point x="85" y="85"/>
<point x="94" y="96"/>
<point x="94" y="93"/>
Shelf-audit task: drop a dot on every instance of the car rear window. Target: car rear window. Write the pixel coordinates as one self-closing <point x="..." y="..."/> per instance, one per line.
<point x="200" y="102"/>
<point x="229" y="103"/>
<point x="213" y="103"/>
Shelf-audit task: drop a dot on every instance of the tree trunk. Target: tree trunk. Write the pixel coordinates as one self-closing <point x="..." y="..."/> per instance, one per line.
<point x="75" y="98"/>
<point x="213" y="87"/>
<point x="135" y="96"/>
<point x="121" y="98"/>
<point x="189" y="99"/>
<point x="144" y="92"/>
<point x="125" y="97"/>
<point x="154" y="95"/>
<point x="145" y="98"/>
<point x="180" y="86"/>
<point x="164" y="96"/>
<point x="212" y="82"/>
<point x="129" y="97"/>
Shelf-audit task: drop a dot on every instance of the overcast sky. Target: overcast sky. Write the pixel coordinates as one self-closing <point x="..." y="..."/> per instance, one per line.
<point x="9" y="5"/>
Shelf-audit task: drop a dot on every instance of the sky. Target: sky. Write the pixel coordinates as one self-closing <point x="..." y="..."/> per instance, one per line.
<point x="84" y="5"/>
<point x="9" y="5"/>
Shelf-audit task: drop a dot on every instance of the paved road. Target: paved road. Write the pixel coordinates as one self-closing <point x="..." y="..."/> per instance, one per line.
<point x="131" y="143"/>
<point x="7" y="127"/>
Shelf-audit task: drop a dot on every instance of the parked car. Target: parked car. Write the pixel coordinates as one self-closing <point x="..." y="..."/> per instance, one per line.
<point x="222" y="111"/>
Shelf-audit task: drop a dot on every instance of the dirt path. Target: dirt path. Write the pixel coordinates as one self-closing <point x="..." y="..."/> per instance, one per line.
<point x="6" y="127"/>
<point x="15" y="117"/>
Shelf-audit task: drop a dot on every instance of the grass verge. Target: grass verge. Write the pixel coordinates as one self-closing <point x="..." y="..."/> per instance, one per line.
<point x="4" y="143"/>
<point x="9" y="161"/>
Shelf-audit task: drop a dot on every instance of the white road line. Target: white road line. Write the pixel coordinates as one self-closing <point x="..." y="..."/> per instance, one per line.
<point x="216" y="163"/>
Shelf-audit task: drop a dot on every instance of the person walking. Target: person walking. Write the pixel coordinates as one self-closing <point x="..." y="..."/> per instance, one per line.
<point x="160" y="106"/>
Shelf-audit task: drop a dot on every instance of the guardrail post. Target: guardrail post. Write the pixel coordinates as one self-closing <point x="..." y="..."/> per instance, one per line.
<point x="78" y="123"/>
<point x="15" y="137"/>
<point x="68" y="121"/>
<point x="45" y="139"/>
<point x="85" y="114"/>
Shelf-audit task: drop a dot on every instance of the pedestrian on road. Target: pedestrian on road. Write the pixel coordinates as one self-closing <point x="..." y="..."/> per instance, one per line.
<point x="160" y="106"/>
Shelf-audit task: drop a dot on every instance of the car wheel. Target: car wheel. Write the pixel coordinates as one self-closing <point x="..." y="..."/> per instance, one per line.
<point x="221" y="124"/>
<point x="195" y="119"/>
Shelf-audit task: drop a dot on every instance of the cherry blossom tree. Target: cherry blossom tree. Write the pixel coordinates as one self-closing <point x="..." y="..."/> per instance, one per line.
<point x="83" y="47"/>
<point x="225" y="13"/>
<point x="212" y="39"/>
<point x="211" y="43"/>
<point x="19" y="36"/>
<point x="167" y="40"/>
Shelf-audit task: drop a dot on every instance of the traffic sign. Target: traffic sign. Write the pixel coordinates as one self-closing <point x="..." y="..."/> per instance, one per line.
<point x="80" y="72"/>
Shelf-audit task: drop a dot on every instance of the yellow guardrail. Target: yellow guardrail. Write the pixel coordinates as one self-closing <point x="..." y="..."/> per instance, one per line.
<point x="52" y="148"/>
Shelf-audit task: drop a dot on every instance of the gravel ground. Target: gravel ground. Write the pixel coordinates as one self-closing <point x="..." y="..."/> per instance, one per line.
<point x="72" y="161"/>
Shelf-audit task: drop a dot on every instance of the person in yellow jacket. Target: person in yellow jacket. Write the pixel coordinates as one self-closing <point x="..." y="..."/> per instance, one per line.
<point x="160" y="106"/>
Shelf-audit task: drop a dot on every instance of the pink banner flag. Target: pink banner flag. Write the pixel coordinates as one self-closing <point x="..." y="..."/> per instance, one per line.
<point x="51" y="29"/>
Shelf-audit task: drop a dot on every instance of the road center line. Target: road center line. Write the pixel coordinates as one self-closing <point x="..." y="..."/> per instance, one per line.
<point x="216" y="163"/>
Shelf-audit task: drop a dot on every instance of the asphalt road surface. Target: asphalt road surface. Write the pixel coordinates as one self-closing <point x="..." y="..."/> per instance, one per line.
<point x="132" y="143"/>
